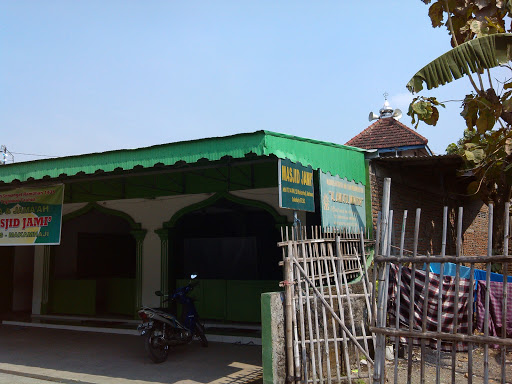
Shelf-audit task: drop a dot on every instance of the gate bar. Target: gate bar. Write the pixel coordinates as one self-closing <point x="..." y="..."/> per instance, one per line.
<point x="506" y="233"/>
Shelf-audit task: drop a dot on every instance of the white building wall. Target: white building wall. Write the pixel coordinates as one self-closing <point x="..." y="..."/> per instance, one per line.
<point x="151" y="214"/>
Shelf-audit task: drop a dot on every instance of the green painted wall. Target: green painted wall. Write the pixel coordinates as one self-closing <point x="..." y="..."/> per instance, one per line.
<point x="230" y="300"/>
<point x="88" y="297"/>
<point x="73" y="297"/>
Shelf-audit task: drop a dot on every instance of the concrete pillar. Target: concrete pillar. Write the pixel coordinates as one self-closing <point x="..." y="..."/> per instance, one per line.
<point x="272" y="338"/>
<point x="139" y="242"/>
<point x="164" y="263"/>
<point x="41" y="285"/>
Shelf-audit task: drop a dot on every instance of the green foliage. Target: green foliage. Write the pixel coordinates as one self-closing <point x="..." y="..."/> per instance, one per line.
<point x="497" y="267"/>
<point x="473" y="56"/>
<point x="470" y="18"/>
<point x="477" y="31"/>
<point x="452" y="149"/>
<point x="424" y="109"/>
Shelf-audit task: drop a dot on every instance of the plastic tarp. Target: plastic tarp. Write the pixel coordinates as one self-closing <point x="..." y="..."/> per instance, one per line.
<point x="450" y="270"/>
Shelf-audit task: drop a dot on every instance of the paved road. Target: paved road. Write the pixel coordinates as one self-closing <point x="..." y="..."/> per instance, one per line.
<point x="34" y="355"/>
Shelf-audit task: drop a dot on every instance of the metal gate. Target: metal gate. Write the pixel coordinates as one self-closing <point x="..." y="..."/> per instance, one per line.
<point x="428" y="319"/>
<point x="327" y="338"/>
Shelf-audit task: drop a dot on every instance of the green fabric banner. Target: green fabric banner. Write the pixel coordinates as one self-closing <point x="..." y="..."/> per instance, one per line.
<point x="31" y="216"/>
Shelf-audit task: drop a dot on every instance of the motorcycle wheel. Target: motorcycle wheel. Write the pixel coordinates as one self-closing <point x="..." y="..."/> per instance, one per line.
<point x="200" y="333"/>
<point x="156" y="349"/>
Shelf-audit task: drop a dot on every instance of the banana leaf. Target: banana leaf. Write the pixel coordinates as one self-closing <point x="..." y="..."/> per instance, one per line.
<point x="472" y="56"/>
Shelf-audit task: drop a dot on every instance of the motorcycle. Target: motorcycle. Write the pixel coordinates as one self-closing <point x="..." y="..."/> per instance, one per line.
<point x="162" y="330"/>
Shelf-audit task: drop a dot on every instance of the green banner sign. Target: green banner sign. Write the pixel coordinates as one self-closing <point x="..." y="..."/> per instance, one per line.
<point x="31" y="216"/>
<point x="343" y="203"/>
<point x="296" y="189"/>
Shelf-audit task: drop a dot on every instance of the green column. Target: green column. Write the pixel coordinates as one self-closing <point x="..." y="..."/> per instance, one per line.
<point x="139" y="236"/>
<point x="164" y="263"/>
<point x="45" y="289"/>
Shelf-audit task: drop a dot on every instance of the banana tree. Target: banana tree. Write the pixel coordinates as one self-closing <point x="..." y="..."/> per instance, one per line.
<point x="487" y="144"/>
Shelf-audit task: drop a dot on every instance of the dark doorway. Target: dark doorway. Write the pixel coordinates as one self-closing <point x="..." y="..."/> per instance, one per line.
<point x="233" y="250"/>
<point x="6" y="278"/>
<point x="94" y="267"/>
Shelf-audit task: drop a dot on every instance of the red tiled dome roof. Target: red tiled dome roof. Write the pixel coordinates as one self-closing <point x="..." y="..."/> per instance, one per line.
<point x="387" y="133"/>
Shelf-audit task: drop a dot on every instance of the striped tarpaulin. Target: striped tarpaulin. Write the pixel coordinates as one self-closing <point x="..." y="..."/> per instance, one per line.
<point x="448" y="304"/>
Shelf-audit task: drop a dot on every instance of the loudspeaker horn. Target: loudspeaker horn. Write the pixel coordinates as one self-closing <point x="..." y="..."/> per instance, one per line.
<point x="397" y="114"/>
<point x="372" y="116"/>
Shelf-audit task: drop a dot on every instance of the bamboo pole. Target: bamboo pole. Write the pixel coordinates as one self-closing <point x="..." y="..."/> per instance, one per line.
<point x="386" y="288"/>
<point x="351" y="313"/>
<point x="374" y="278"/>
<point x="296" y="353"/>
<point x="462" y="338"/>
<point x="440" y="296"/>
<point x="457" y="283"/>
<point x="302" y="324"/>
<point x="470" y="322"/>
<point x="333" y="313"/>
<point x="412" y="294"/>
<point x="424" y="322"/>
<point x="379" y="367"/>
<point x="506" y="232"/>
<point x="397" y="308"/>
<point x="365" y="340"/>
<point x="333" y="322"/>
<point x="314" y="246"/>
<point x="487" y="292"/>
<point x="289" y="311"/>
<point x="324" y="316"/>
<point x="366" y="285"/>
<point x="443" y="259"/>
<point x="339" y="294"/>
<point x="305" y="251"/>
<point x="324" y="273"/>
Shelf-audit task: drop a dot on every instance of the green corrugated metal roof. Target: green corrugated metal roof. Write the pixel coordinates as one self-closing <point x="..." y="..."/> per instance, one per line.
<point x="337" y="159"/>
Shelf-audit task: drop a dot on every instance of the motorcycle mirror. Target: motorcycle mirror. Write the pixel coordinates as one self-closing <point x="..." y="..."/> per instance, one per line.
<point x="192" y="277"/>
<point x="159" y="293"/>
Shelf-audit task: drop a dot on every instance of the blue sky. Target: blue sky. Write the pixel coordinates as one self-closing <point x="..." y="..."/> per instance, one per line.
<point x="90" y="76"/>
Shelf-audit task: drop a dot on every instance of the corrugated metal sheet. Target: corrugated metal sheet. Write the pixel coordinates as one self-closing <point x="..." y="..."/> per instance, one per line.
<point x="455" y="160"/>
<point x="334" y="158"/>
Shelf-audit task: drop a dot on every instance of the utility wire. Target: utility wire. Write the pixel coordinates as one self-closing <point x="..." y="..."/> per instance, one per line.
<point x="31" y="154"/>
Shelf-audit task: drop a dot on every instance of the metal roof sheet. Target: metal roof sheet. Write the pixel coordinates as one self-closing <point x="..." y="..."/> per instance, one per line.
<point x="337" y="159"/>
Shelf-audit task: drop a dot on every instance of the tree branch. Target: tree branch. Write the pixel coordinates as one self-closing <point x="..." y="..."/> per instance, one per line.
<point x="490" y="80"/>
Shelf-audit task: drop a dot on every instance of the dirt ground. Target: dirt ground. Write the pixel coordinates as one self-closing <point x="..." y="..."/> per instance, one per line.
<point x="461" y="367"/>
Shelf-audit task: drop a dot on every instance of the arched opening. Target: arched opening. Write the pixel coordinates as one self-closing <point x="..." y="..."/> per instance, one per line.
<point x="93" y="270"/>
<point x="232" y="246"/>
<point x="16" y="281"/>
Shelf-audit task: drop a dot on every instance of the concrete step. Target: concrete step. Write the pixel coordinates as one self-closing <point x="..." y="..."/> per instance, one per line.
<point x="221" y="335"/>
